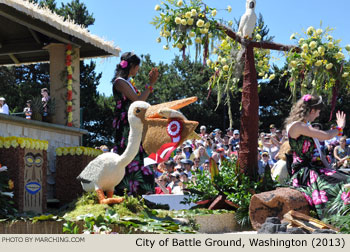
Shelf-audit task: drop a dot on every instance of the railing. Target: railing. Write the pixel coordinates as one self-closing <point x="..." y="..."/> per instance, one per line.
<point x="19" y="114"/>
<point x="22" y="114"/>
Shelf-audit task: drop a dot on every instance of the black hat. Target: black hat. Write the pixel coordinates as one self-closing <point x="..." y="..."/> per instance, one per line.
<point x="186" y="161"/>
<point x="170" y="162"/>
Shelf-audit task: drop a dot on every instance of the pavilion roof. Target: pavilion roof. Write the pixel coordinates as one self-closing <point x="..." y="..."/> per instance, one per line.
<point x="26" y="29"/>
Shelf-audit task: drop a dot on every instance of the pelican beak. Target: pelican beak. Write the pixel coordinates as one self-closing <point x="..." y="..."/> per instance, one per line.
<point x="155" y="134"/>
<point x="152" y="111"/>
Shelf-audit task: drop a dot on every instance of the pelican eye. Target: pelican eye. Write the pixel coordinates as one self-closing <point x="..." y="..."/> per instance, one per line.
<point x="138" y="110"/>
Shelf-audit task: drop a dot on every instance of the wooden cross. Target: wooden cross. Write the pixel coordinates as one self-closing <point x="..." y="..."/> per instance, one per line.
<point x="249" y="128"/>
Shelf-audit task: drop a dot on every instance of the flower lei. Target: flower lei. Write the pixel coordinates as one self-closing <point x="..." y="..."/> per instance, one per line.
<point x="134" y="86"/>
<point x="340" y="130"/>
<point x="69" y="85"/>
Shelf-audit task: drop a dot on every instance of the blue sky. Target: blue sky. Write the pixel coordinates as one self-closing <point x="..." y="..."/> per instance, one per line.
<point x="127" y="24"/>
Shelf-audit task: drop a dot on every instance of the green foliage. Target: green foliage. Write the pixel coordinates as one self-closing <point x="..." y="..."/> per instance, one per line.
<point x="186" y="24"/>
<point x="37" y="108"/>
<point x="97" y="109"/>
<point x="19" y="84"/>
<point x="89" y="198"/>
<point x="70" y="228"/>
<point x="181" y="79"/>
<point x="274" y="100"/>
<point x="233" y="184"/>
<point x="204" y="186"/>
<point x="134" y="204"/>
<point x="44" y="217"/>
<point x="7" y="208"/>
<point x="132" y="215"/>
<point x="98" y="224"/>
<point x="77" y="11"/>
<point x="320" y="66"/>
<point x="340" y="221"/>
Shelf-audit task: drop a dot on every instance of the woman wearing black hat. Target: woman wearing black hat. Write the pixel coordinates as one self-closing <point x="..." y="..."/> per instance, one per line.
<point x="187" y="166"/>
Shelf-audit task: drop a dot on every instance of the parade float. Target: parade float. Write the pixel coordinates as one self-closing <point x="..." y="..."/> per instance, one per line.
<point x="43" y="160"/>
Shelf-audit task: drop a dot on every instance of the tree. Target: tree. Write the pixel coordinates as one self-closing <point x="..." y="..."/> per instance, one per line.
<point x="76" y="11"/>
<point x="181" y="79"/>
<point x="274" y="100"/>
<point x="8" y="88"/>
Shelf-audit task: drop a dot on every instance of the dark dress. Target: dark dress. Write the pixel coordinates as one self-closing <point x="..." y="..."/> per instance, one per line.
<point x="138" y="179"/>
<point x="323" y="188"/>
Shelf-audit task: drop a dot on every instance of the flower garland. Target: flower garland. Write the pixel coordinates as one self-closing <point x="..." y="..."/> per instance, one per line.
<point x="80" y="150"/>
<point x="22" y="142"/>
<point x="134" y="86"/>
<point x="69" y="85"/>
<point x="340" y="130"/>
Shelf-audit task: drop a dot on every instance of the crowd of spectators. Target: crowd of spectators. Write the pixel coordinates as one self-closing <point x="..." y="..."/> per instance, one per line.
<point x="194" y="155"/>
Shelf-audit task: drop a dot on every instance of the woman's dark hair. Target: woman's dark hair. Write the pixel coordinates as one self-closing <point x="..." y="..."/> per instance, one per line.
<point x="304" y="106"/>
<point x="45" y="90"/>
<point x="131" y="59"/>
<point x="314" y="125"/>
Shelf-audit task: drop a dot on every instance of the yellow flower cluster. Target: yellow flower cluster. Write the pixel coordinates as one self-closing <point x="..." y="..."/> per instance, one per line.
<point x="224" y="66"/>
<point x="321" y="60"/>
<point x="80" y="150"/>
<point x="185" y="24"/>
<point x="22" y="142"/>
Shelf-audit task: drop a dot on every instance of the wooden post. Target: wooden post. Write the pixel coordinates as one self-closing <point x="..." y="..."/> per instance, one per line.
<point x="58" y="83"/>
<point x="248" y="154"/>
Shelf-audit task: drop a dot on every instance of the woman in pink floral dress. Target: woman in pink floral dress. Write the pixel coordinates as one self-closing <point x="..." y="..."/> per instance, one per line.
<point x="325" y="189"/>
<point x="138" y="179"/>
